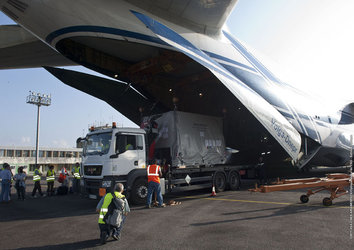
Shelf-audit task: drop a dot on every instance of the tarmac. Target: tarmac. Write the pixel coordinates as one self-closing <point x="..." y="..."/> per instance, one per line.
<point x="231" y="220"/>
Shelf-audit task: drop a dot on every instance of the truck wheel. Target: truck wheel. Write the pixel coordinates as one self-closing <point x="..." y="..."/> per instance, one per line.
<point x="234" y="180"/>
<point x="139" y="192"/>
<point x="219" y="182"/>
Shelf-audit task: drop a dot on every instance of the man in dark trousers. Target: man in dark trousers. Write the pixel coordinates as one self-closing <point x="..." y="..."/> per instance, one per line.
<point x="50" y="180"/>
<point x="154" y="173"/>
<point x="37" y="182"/>
<point x="261" y="171"/>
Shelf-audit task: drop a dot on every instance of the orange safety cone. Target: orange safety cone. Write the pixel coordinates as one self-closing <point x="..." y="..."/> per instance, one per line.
<point x="213" y="193"/>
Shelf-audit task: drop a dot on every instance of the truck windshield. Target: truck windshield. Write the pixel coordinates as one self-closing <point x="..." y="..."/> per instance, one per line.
<point x="97" y="144"/>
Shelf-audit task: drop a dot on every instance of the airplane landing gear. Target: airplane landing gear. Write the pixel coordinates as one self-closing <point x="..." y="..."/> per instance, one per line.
<point x="304" y="198"/>
<point x="327" y="202"/>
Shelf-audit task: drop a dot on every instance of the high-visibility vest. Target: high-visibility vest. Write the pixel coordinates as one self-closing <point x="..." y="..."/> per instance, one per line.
<point x="153" y="173"/>
<point x="50" y="176"/>
<point x="104" y="209"/>
<point x="77" y="172"/>
<point x="36" y="176"/>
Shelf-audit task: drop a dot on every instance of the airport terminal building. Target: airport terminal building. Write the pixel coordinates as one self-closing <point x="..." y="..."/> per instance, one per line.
<point x="26" y="156"/>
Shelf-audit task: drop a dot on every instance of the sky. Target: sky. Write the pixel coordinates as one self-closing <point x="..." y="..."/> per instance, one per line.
<point x="306" y="43"/>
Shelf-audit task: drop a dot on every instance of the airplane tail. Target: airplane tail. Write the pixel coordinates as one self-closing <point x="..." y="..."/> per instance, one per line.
<point x="347" y="114"/>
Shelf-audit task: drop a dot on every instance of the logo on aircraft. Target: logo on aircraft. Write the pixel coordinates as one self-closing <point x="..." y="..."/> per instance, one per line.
<point x="283" y="135"/>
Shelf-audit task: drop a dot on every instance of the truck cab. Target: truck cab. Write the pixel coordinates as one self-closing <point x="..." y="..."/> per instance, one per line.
<point x="110" y="155"/>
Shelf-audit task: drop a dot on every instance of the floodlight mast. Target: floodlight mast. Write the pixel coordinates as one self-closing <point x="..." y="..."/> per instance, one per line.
<point x="38" y="100"/>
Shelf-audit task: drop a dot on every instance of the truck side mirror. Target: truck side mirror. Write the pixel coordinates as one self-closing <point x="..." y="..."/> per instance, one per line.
<point x="113" y="156"/>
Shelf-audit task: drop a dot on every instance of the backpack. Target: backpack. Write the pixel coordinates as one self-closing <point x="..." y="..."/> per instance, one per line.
<point x="114" y="216"/>
<point x="61" y="178"/>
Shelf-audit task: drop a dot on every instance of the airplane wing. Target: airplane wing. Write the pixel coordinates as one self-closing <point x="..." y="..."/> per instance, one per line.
<point x="20" y="49"/>
<point x="266" y="114"/>
<point x="119" y="95"/>
<point x="204" y="16"/>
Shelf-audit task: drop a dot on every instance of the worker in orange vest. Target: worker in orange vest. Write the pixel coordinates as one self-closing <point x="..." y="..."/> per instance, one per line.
<point x="154" y="174"/>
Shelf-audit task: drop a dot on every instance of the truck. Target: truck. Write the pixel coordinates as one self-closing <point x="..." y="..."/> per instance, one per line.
<point x="190" y="148"/>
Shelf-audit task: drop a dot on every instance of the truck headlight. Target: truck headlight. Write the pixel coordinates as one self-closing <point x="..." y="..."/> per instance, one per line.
<point x="106" y="184"/>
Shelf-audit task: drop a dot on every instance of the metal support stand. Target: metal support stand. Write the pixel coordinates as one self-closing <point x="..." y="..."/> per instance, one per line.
<point x="351" y="190"/>
<point x="38" y="100"/>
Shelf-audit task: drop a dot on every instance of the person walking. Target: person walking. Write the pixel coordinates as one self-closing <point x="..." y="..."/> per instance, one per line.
<point x="110" y="202"/>
<point x="154" y="174"/>
<point x="122" y="206"/>
<point x="76" y="180"/>
<point x="37" y="182"/>
<point x="20" y="184"/>
<point x="50" y="180"/>
<point x="5" y="176"/>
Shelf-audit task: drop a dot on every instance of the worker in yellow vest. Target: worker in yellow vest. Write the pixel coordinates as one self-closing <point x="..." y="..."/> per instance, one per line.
<point x="76" y="175"/>
<point x="50" y="180"/>
<point x="37" y="182"/>
<point x="105" y="208"/>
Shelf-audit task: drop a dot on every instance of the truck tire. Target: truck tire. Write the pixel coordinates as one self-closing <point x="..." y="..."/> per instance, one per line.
<point x="219" y="181"/>
<point x="139" y="192"/>
<point x="234" y="180"/>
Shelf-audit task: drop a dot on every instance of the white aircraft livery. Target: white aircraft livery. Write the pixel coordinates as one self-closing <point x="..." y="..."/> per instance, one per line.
<point x="175" y="54"/>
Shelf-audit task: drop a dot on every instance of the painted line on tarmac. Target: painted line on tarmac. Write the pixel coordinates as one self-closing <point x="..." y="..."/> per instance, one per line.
<point x="263" y="202"/>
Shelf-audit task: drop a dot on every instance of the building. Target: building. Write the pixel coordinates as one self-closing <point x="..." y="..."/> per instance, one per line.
<point x="26" y="156"/>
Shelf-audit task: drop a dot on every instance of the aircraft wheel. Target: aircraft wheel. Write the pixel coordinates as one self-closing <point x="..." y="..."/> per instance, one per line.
<point x="304" y="198"/>
<point x="327" y="202"/>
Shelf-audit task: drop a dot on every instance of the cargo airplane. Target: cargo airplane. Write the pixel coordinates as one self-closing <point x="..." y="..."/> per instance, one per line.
<point x="175" y="54"/>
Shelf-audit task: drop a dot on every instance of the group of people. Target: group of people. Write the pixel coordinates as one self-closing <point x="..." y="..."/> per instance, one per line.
<point x="20" y="181"/>
<point x="50" y="178"/>
<point x="113" y="207"/>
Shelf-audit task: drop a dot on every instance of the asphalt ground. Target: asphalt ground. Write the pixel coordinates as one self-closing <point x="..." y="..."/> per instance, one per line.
<point x="231" y="220"/>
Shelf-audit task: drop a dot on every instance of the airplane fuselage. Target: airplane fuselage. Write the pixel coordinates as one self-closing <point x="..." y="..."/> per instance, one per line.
<point x="111" y="28"/>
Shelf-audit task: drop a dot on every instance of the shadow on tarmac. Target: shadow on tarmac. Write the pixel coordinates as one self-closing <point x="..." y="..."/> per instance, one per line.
<point x="278" y="211"/>
<point x="46" y="207"/>
<point x="77" y="245"/>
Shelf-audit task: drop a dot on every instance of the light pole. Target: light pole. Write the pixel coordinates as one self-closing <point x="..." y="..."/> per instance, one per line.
<point x="39" y="100"/>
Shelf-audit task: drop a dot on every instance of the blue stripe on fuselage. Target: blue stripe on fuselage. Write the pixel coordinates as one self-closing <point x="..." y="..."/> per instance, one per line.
<point x="216" y="56"/>
<point x="105" y="30"/>
<point x="259" y="66"/>
<point x="125" y="33"/>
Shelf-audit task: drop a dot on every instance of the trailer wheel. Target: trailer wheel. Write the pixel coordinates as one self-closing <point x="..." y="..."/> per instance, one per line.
<point x="234" y="180"/>
<point x="304" y="198"/>
<point x="219" y="182"/>
<point x="139" y="192"/>
<point x="327" y="201"/>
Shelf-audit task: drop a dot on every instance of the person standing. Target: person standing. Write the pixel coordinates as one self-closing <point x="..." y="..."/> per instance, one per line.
<point x="154" y="174"/>
<point x="20" y="185"/>
<point x="261" y="171"/>
<point x="5" y="176"/>
<point x="37" y="182"/>
<point x="76" y="180"/>
<point x="50" y="180"/>
<point x="64" y="174"/>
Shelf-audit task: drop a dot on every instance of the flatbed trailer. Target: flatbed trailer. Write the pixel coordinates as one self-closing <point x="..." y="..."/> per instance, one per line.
<point x="334" y="183"/>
